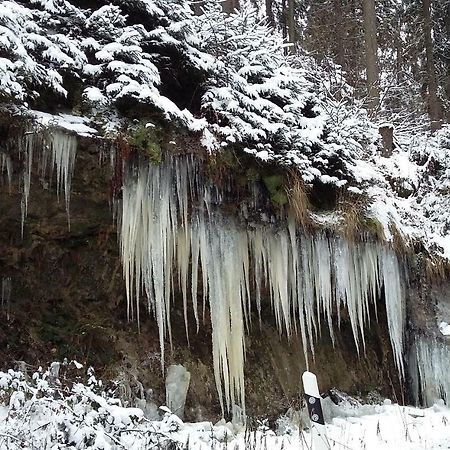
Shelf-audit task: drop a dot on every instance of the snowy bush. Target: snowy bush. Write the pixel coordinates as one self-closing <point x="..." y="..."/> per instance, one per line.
<point x="32" y="58"/>
<point x="44" y="412"/>
<point x="255" y="97"/>
<point x="41" y="412"/>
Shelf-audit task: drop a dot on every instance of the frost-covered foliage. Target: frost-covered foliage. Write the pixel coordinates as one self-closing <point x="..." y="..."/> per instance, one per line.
<point x="259" y="98"/>
<point x="412" y="189"/>
<point x="278" y="107"/>
<point x="46" y="411"/>
<point x="109" y="58"/>
<point x="33" y="59"/>
<point x="226" y="76"/>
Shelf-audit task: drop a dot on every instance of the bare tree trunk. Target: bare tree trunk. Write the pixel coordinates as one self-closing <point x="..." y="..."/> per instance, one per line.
<point x="269" y="13"/>
<point x="339" y="49"/>
<point x="355" y="65"/>
<point x="230" y="6"/>
<point x="395" y="98"/>
<point x="371" y="47"/>
<point x="291" y="25"/>
<point x="434" y="107"/>
<point x="284" y="21"/>
<point x="447" y="81"/>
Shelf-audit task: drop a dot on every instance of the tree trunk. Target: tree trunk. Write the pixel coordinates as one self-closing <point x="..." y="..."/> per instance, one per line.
<point x="387" y="137"/>
<point x="434" y="107"/>
<point x="229" y="6"/>
<point x="395" y="99"/>
<point x="284" y="21"/>
<point x="339" y="50"/>
<point x="291" y="25"/>
<point x="371" y="47"/>
<point x="269" y="13"/>
<point x="446" y="111"/>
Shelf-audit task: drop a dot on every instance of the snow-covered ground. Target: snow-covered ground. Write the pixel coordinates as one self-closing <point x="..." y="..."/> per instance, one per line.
<point x="42" y="412"/>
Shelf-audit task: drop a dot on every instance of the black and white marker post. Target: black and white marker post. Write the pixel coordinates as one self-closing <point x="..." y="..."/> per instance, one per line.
<point x="319" y="440"/>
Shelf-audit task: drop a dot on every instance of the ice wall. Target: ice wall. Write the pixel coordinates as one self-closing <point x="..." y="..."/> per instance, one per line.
<point x="171" y="234"/>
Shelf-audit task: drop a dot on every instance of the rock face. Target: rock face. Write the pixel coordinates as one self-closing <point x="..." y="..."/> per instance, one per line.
<point x="66" y="298"/>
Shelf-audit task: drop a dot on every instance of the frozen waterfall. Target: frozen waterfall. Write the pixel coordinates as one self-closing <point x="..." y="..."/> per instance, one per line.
<point x="171" y="233"/>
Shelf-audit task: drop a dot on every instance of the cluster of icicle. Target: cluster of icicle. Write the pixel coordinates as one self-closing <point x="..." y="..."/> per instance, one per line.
<point x="171" y="234"/>
<point x="429" y="368"/>
<point x="53" y="152"/>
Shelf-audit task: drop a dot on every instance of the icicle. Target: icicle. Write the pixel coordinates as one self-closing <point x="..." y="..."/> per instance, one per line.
<point x="276" y="256"/>
<point x="321" y="259"/>
<point x="64" y="148"/>
<point x="195" y="245"/>
<point x="6" y="166"/>
<point x="27" y="148"/>
<point x="429" y="370"/>
<point x="307" y="290"/>
<point x="152" y="238"/>
<point x="395" y="303"/>
<point x="222" y="248"/>
<point x="183" y="256"/>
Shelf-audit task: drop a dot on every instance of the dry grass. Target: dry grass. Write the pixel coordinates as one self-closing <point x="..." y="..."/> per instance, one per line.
<point x="437" y="268"/>
<point x="400" y="245"/>
<point x="352" y="208"/>
<point x="299" y="205"/>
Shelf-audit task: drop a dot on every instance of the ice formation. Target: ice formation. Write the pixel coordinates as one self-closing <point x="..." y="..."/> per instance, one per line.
<point x="63" y="149"/>
<point x="429" y="370"/>
<point x="55" y="152"/>
<point x="170" y="232"/>
<point x="6" y="167"/>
